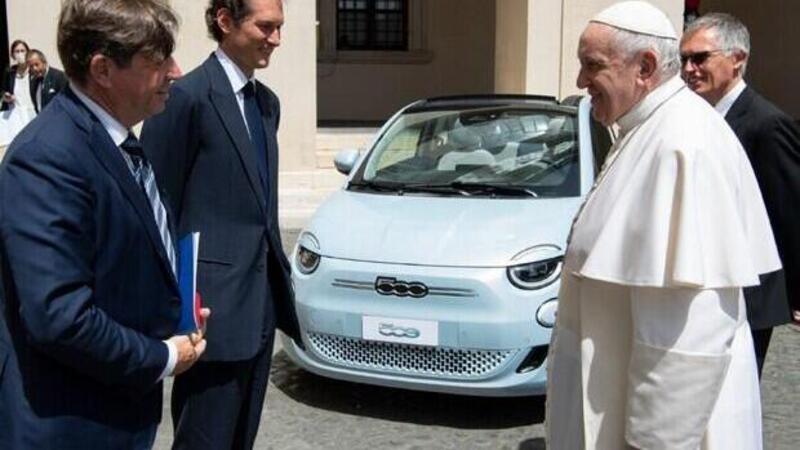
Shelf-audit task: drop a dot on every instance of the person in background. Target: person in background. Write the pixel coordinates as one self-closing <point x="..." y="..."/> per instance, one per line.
<point x="651" y="348"/>
<point x="215" y="152"/>
<point x="16" y="105"/>
<point x="16" y="88"/>
<point x="90" y="301"/>
<point x="715" y="50"/>
<point x="47" y="81"/>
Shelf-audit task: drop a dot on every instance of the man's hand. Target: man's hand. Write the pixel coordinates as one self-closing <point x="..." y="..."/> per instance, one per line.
<point x="188" y="352"/>
<point x="190" y="347"/>
<point x="8" y="98"/>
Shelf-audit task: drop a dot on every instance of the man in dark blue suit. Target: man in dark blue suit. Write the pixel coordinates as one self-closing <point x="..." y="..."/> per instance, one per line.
<point x="90" y="302"/>
<point x="215" y="152"/>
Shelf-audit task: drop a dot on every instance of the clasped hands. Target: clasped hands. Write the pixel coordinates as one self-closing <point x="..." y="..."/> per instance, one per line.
<point x="190" y="346"/>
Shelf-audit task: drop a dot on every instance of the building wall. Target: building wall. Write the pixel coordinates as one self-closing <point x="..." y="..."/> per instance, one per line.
<point x="537" y="42"/>
<point x="577" y="14"/>
<point x="469" y="46"/>
<point x="774" y="60"/>
<point x="460" y="41"/>
<point x="511" y="46"/>
<point x="34" y="21"/>
<point x="292" y="72"/>
<point x="545" y="36"/>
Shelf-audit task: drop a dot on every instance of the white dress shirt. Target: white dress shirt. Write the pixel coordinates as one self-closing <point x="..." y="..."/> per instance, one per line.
<point x="725" y="103"/>
<point x="237" y="78"/>
<point x="39" y="89"/>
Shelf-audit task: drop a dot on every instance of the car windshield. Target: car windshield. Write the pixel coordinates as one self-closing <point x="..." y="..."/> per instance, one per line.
<point x="507" y="150"/>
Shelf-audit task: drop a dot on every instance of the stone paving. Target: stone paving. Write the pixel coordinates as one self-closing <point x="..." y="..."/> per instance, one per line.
<point x="304" y="411"/>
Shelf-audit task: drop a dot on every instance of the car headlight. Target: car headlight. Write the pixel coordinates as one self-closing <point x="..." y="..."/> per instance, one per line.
<point x="535" y="275"/>
<point x="307" y="253"/>
<point x="306" y="260"/>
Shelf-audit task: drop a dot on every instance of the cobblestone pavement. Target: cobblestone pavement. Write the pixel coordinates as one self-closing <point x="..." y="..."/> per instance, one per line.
<point x="305" y="411"/>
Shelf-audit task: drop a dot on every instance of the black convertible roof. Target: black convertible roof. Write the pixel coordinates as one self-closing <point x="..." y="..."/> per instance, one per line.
<point x="493" y="97"/>
<point x="482" y="100"/>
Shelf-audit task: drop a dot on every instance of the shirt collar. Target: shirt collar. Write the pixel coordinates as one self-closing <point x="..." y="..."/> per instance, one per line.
<point x="642" y="110"/>
<point x="725" y="103"/>
<point x="237" y="78"/>
<point x="116" y="130"/>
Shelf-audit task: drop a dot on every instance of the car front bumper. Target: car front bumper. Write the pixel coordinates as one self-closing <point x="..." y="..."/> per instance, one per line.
<point x="486" y="342"/>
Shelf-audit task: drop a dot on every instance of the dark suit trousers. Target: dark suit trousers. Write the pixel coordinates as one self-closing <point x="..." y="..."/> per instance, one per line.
<point x="761" y="340"/>
<point x="217" y="405"/>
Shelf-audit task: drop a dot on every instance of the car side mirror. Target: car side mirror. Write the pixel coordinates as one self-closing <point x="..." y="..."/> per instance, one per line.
<point x="346" y="159"/>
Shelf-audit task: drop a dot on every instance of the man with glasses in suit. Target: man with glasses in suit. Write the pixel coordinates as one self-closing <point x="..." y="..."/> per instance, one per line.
<point x="715" y="50"/>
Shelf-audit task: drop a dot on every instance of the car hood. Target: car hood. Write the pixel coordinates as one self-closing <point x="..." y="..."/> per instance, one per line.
<point x="440" y="231"/>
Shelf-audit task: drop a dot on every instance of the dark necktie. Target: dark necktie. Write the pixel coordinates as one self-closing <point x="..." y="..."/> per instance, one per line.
<point x="38" y="87"/>
<point x="258" y="137"/>
<point x="145" y="177"/>
<point x="255" y="124"/>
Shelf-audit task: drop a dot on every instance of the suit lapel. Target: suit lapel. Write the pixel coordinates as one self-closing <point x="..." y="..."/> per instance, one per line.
<point x="739" y="109"/>
<point x="109" y="156"/>
<point x="227" y="107"/>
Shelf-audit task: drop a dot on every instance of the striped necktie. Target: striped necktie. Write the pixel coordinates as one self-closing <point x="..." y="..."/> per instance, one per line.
<point x="144" y="175"/>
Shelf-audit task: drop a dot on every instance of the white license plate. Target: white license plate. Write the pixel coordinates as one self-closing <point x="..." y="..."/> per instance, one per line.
<point x="404" y="331"/>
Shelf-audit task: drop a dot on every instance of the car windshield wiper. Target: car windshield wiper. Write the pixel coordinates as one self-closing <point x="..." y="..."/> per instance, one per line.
<point x="401" y="189"/>
<point x="495" y="189"/>
<point x="372" y="185"/>
<point x="433" y="188"/>
<point x="473" y="188"/>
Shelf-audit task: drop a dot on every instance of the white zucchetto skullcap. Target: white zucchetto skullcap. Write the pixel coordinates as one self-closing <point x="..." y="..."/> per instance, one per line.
<point x="637" y="17"/>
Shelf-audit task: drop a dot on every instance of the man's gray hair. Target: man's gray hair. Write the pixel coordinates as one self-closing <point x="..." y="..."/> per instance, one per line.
<point x="630" y="44"/>
<point x="731" y="33"/>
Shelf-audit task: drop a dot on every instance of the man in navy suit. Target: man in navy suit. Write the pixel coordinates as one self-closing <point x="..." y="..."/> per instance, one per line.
<point x="215" y="152"/>
<point x="90" y="301"/>
<point x="714" y="51"/>
<point x="46" y="81"/>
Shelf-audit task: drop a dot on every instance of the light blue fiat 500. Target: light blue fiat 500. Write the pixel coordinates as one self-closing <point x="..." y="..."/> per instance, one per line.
<point x="436" y="267"/>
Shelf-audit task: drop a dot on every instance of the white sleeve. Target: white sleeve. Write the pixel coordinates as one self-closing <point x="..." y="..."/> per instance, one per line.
<point x="679" y="357"/>
<point x="172" y="361"/>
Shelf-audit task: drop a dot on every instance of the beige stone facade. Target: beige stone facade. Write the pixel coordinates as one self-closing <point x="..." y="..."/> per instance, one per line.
<point x="455" y="47"/>
<point x="774" y="57"/>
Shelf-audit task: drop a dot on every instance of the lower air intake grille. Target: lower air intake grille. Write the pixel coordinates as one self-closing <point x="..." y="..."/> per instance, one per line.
<point x="406" y="359"/>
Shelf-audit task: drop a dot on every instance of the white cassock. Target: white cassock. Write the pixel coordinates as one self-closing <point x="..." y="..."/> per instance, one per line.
<point x="652" y="346"/>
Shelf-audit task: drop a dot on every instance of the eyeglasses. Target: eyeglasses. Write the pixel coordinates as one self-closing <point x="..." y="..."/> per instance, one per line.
<point x="698" y="58"/>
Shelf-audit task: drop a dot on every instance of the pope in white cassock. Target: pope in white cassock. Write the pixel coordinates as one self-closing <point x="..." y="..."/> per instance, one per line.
<point x="651" y="349"/>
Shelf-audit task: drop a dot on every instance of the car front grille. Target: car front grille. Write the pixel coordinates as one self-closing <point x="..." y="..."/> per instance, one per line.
<point x="403" y="359"/>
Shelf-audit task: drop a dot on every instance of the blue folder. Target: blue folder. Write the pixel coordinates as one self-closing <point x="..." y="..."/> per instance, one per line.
<point x="187" y="281"/>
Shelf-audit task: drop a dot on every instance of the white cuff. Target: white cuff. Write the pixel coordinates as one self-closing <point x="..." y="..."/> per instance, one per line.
<point x="172" y="360"/>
